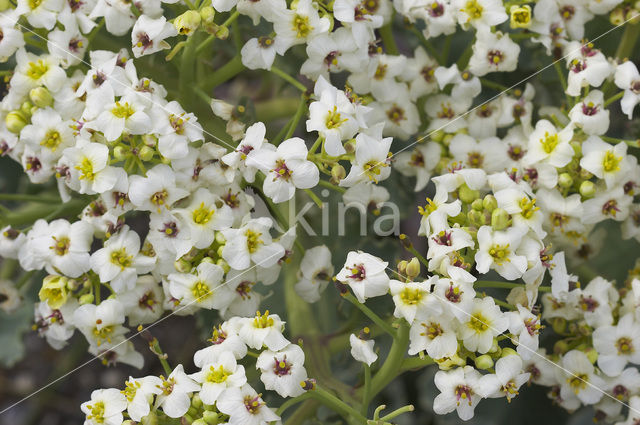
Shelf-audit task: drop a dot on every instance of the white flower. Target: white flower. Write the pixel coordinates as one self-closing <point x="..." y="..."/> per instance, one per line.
<point x="627" y="78"/>
<point x="204" y="289"/>
<point x="104" y="408"/>
<point x="332" y="115"/>
<point x="176" y="130"/>
<point x="608" y="204"/>
<point x="65" y="247"/>
<point x="88" y="169"/>
<point x="604" y="161"/>
<point x="382" y="84"/>
<point x="101" y="324"/>
<point x="507" y="379"/>
<point x="617" y="345"/>
<point x="223" y="339"/>
<point x="174" y="398"/>
<point x="262" y="330"/>
<point x="48" y="132"/>
<point x="548" y="145"/>
<point x="218" y="376"/>
<point x="283" y="371"/>
<point x="126" y="115"/>
<point x="493" y="52"/>
<point x="457" y="293"/>
<point x="587" y="67"/>
<point x="413" y="298"/>
<point x="56" y="325"/>
<point x="156" y="191"/>
<point x="480" y="13"/>
<point x="285" y="169"/>
<point x="259" y="53"/>
<point x="497" y="250"/>
<point x="435" y="334"/>
<point x="488" y="154"/>
<point x="205" y="214"/>
<point x="590" y="115"/>
<point x="633" y="415"/>
<point x="253" y="140"/>
<point x="484" y="322"/>
<point x="362" y="349"/>
<point x="12" y="38"/>
<point x="245" y="407"/>
<point x="578" y="379"/>
<point x="298" y="25"/>
<point x="120" y="260"/>
<point x="420" y="162"/>
<point x="458" y="391"/>
<point x="148" y="35"/>
<point x="370" y="162"/>
<point x="365" y="274"/>
<point x="315" y="273"/>
<point x="139" y="393"/>
<point x="251" y="243"/>
<point x="526" y="327"/>
<point x="143" y="303"/>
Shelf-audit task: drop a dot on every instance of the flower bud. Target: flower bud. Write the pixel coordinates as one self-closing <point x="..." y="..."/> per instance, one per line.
<point x="86" y="299"/>
<point x="616" y="17"/>
<point x="499" y="219"/>
<point x="225" y="266"/>
<point x="467" y="195"/>
<point x="565" y="180"/>
<point x="209" y="417"/>
<point x="350" y="146"/>
<point x="150" y="419"/>
<point x="520" y="16"/>
<point x="447" y="363"/>
<point x="413" y="268"/>
<point x="592" y="354"/>
<point x="560" y="347"/>
<point x="4" y="5"/>
<point x="587" y="189"/>
<point x="146" y="153"/>
<point x="188" y="22"/>
<point x="54" y="291"/>
<point x="477" y="205"/>
<point x="446" y="139"/>
<point x="222" y="33"/>
<point x="15" y="121"/>
<point x="632" y="16"/>
<point x="558" y="324"/>
<point x="220" y="238"/>
<point x="484" y="362"/>
<point x="120" y="153"/>
<point x="337" y="173"/>
<point x="207" y="14"/>
<point x="437" y="135"/>
<point x="508" y="352"/>
<point x="489" y="203"/>
<point x="476" y="218"/>
<point x="199" y="422"/>
<point x="183" y="266"/>
<point x="402" y="267"/>
<point x="308" y="385"/>
<point x="41" y="97"/>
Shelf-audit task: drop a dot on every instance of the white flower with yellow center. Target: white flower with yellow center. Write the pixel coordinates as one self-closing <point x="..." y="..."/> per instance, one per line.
<point x="104" y="408"/>
<point x="604" y="160"/>
<point x="88" y="168"/>
<point x="139" y="393"/>
<point x="507" y="380"/>
<point x="459" y="391"/>
<point x="251" y="243"/>
<point x="245" y="406"/>
<point x="283" y="371"/>
<point x="548" y="145"/>
<point x="617" y="345"/>
<point x="296" y="26"/>
<point x="484" y="322"/>
<point x="205" y="214"/>
<point x="435" y="334"/>
<point x="413" y="298"/>
<point x="203" y="289"/>
<point x="101" y="324"/>
<point x="157" y="191"/>
<point x="217" y="377"/>
<point x="371" y="160"/>
<point x="262" y="330"/>
<point x="175" y="397"/>
<point x="578" y="378"/>
<point x="124" y="116"/>
<point x="48" y="132"/>
<point x="497" y="251"/>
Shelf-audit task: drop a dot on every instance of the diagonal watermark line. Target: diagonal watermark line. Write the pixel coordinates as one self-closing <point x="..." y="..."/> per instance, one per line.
<point x="110" y="78"/>
<point x="516" y="344"/>
<point x="381" y="163"/>
<point x="151" y="325"/>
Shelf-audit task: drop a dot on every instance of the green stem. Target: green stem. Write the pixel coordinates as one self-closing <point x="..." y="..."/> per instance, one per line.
<point x="187" y="67"/>
<point x="563" y="80"/>
<point x="314" y="198"/>
<point x="393" y="364"/>
<point x="96" y="291"/>
<point x="612" y="99"/>
<point x="224" y="73"/>
<point x="367" y="389"/>
<point x="28" y="198"/>
<point x="386" y="33"/>
<point x="464" y="58"/>
<point x="419" y="256"/>
<point x="628" y="40"/>
<point x="302" y="107"/>
<point x="505" y="285"/>
<point x="331" y="186"/>
<point x="288" y="78"/>
<point x="632" y="143"/>
<point x="398" y="412"/>
<point x="493" y="85"/>
<point x="337" y="405"/>
<point x="370" y="314"/>
<point x="416" y="363"/>
<point x="204" y="43"/>
<point x="292" y="402"/>
<point x="155" y="347"/>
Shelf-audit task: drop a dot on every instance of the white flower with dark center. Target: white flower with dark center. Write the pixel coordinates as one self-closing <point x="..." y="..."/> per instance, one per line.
<point x="143" y="303"/>
<point x="435" y="334"/>
<point x="224" y="339"/>
<point x="65" y="247"/>
<point x="617" y="345"/>
<point x="419" y="163"/>
<point x="587" y="67"/>
<point x="526" y="327"/>
<point x="578" y="378"/>
<point x="283" y="371"/>
<point x="382" y="84"/>
<point x="590" y="115"/>
<point x="148" y="35"/>
<point x="627" y="78"/>
<point x="104" y="408"/>
<point x="286" y="169"/>
<point x="253" y="140"/>
<point x="493" y="52"/>
<point x="609" y="204"/>
<point x="218" y="376"/>
<point x="176" y="129"/>
<point x="459" y="391"/>
<point x="259" y="52"/>
<point x="487" y="153"/>
<point x="507" y="380"/>
<point x="456" y="293"/>
<point x="484" y="322"/>
<point x="365" y="275"/>
<point x="156" y="191"/>
<point x="174" y="398"/>
<point x="245" y="407"/>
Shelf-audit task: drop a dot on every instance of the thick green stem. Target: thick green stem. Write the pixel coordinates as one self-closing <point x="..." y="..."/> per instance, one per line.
<point x="288" y="78"/>
<point x="292" y="402"/>
<point x="613" y="98"/>
<point x="628" y="40"/>
<point x="393" y="364"/>
<point x="225" y="73"/>
<point x="338" y="406"/>
<point x="366" y="389"/>
<point x="386" y="32"/>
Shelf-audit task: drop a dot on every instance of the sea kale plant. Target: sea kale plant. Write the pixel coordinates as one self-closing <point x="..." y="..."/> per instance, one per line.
<point x="179" y="157"/>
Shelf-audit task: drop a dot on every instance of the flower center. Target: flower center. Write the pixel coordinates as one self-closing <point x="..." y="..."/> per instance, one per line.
<point x="333" y="119"/>
<point x="528" y="207"/>
<point x="624" y="346"/>
<point x="159" y="198"/>
<point x="96" y="409"/>
<point x="611" y="162"/>
<point x="478" y="323"/>
<point x="200" y="290"/>
<point x="61" y="245"/>
<point x="473" y="9"/>
<point x="217" y="376"/>
<point x="500" y="253"/>
<point x="253" y="404"/>
<point x="301" y="26"/>
<point x="610" y="208"/>
<point x="578" y="382"/>
<point x="86" y="169"/>
<point x="121" y="259"/>
<point x="263" y="321"/>
<point x="281" y="367"/>
<point x="589" y="109"/>
<point x="244" y="289"/>
<point x="281" y="170"/>
<point x="463" y="392"/>
<point x="253" y="240"/>
<point x="357" y="272"/>
<point x="131" y="387"/>
<point x="202" y="214"/>
<point x="122" y="110"/>
<point x="36" y="69"/>
<point x="549" y="142"/>
<point x="411" y="296"/>
<point x="495" y="57"/>
<point x="432" y="330"/>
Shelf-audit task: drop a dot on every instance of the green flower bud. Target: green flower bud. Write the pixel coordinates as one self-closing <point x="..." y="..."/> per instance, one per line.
<point x="477" y="205"/>
<point x="565" y="180"/>
<point x="224" y="265"/>
<point x="490" y="203"/>
<point x="120" y="153"/>
<point x="476" y="218"/>
<point x="222" y="33"/>
<point x="560" y="347"/>
<point x="558" y="324"/>
<point x="199" y="422"/>
<point x="54" y="288"/>
<point x="27" y="109"/>
<point x="616" y="17"/>
<point x="402" y="267"/>
<point x="632" y="16"/>
<point x="15" y="121"/>
<point x="587" y="189"/>
<point x="150" y="419"/>
<point x="86" y="299"/>
<point x="196" y="401"/>
<point x="446" y="139"/>
<point x="467" y="195"/>
<point x="584" y="174"/>
<point x="508" y="352"/>
<point x="413" y="268"/>
<point x="337" y="173"/>
<point x="211" y="418"/>
<point x="437" y="136"/>
<point x="350" y="146"/>
<point x="183" y="266"/>
<point x="520" y="16"/>
<point x="207" y="260"/>
<point x="484" y="362"/>
<point x="220" y="238"/>
<point x="207" y="14"/>
<point x="4" y="5"/>
<point x="188" y="22"/>
<point x="41" y="97"/>
<point x="592" y="354"/>
<point x="146" y="153"/>
<point x="499" y="219"/>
